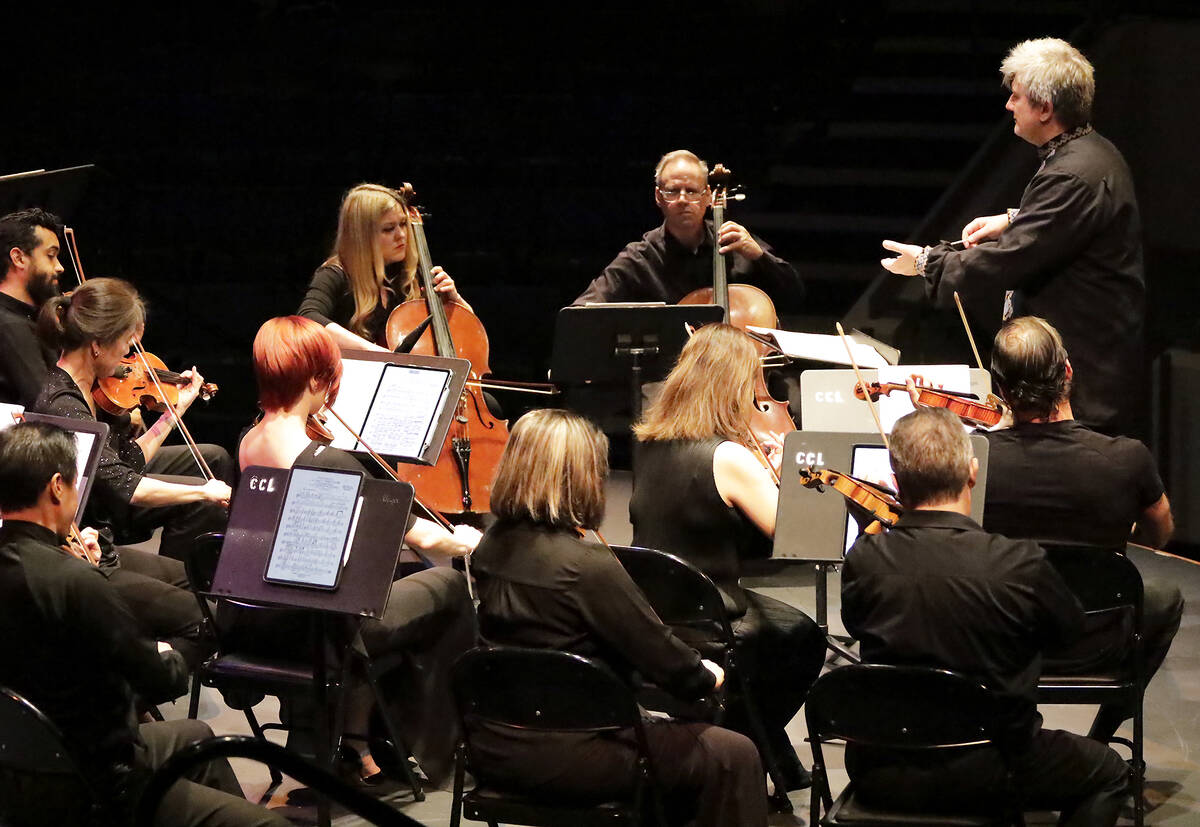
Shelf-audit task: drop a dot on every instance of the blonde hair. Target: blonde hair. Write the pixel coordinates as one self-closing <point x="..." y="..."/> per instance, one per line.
<point x="709" y="392"/>
<point x="676" y="155"/>
<point x="1053" y="71"/>
<point x="356" y="249"/>
<point x="552" y="471"/>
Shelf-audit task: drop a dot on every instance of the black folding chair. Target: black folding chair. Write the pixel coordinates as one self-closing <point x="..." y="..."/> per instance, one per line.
<point x="1107" y="583"/>
<point x="542" y="690"/>
<point x="244" y="679"/>
<point x="898" y="708"/>
<point x="40" y="783"/>
<point x="276" y="757"/>
<point x="687" y="600"/>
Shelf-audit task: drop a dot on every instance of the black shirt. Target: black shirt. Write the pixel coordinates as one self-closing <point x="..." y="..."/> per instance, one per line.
<point x="548" y="589"/>
<point x="122" y="462"/>
<point x="24" y="361"/>
<point x="660" y="269"/>
<point x="1073" y="254"/>
<point x="676" y="508"/>
<point x="1063" y="481"/>
<point x="939" y="591"/>
<point x="71" y="646"/>
<point x="330" y="300"/>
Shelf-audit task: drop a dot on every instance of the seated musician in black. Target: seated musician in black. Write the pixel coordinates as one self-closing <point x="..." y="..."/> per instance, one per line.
<point x="676" y="258"/>
<point x="30" y="241"/>
<point x="1053" y="478"/>
<point x="542" y="586"/>
<point x="372" y="270"/>
<point x="428" y="614"/>
<point x="937" y="590"/>
<point x="72" y="648"/>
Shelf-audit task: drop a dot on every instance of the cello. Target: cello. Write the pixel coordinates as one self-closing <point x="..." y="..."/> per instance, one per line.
<point x="461" y="481"/>
<point x="744" y="304"/>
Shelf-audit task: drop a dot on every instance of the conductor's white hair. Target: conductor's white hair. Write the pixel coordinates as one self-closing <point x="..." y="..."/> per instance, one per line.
<point x="1053" y="71"/>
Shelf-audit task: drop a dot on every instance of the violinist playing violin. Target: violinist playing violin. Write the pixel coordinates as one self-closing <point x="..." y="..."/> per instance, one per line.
<point x="139" y="485"/>
<point x="675" y="258"/>
<point x="1053" y="478"/>
<point x="373" y="269"/>
<point x="701" y="491"/>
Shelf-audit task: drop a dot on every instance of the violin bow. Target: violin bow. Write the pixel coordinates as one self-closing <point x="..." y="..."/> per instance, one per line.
<point x="862" y="382"/>
<point x="183" y="429"/>
<point x="963" y="315"/>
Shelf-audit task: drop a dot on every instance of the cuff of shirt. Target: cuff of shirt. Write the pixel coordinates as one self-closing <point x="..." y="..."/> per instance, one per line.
<point x="922" y="260"/>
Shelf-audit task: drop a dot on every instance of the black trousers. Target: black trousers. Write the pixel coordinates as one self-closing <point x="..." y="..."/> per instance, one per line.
<point x="156" y="590"/>
<point x="710" y="776"/>
<point x="210" y="795"/>
<point x="780" y="651"/>
<point x="1083" y="779"/>
<point x="181" y="524"/>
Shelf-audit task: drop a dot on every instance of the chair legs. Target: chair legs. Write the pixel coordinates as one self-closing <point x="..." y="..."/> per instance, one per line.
<point x="460" y="770"/>
<point x="194" y="701"/>
<point x="398" y="742"/>
<point x="276" y="776"/>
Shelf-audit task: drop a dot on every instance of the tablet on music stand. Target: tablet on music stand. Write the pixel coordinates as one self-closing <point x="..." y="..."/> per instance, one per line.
<point x="399" y="403"/>
<point x="89" y="442"/>
<point x="312" y="537"/>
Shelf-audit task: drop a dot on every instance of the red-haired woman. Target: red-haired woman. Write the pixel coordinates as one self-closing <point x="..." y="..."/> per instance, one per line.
<point x="428" y="614"/>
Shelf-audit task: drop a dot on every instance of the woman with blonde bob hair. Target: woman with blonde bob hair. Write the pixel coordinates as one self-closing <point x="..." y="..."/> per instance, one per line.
<point x="702" y="492"/>
<point x="541" y="585"/>
<point x="372" y="269"/>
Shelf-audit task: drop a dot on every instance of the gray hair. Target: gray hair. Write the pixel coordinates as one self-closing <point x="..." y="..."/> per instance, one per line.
<point x="676" y="155"/>
<point x="931" y="457"/>
<point x="1053" y="71"/>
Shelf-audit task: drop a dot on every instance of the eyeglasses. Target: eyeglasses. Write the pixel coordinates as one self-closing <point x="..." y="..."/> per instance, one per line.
<point x="671" y="196"/>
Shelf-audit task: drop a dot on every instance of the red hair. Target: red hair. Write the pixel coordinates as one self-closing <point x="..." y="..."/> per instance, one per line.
<point x="289" y="352"/>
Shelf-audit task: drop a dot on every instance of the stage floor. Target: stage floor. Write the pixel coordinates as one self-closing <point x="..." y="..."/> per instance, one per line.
<point x="1172" y="708"/>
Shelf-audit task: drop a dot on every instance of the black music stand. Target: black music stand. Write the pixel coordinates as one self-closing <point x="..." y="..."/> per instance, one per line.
<point x="57" y="190"/>
<point x="365" y="583"/>
<point x="610" y="346"/>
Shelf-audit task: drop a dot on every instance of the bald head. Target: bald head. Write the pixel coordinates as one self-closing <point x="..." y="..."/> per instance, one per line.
<point x="1029" y="366"/>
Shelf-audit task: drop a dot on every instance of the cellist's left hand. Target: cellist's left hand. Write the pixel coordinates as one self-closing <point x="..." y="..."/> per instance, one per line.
<point x="189" y="392"/>
<point x="443" y="285"/>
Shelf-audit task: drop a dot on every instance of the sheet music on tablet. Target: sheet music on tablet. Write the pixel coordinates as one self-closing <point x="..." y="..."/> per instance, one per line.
<point x="314" y="529"/>
<point x="406" y="405"/>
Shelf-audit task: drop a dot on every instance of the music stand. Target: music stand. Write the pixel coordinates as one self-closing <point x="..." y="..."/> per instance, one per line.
<point x="378" y="398"/>
<point x="90" y="438"/>
<point x="366" y="579"/>
<point x="810" y="526"/>
<point x="57" y="190"/>
<point x="608" y="346"/>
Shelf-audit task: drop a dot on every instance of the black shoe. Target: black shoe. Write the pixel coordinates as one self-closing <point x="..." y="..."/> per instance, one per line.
<point x="779" y="803"/>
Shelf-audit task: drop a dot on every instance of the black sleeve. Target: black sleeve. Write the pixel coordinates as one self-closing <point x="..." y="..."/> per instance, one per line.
<point x="617" y="611"/>
<point x="1053" y="227"/>
<point x="1146" y="480"/>
<point x="326" y="291"/>
<point x="22" y="365"/>
<point x="618" y="282"/>
<point x="773" y="274"/>
<point x="115" y="479"/>
<point x="96" y="611"/>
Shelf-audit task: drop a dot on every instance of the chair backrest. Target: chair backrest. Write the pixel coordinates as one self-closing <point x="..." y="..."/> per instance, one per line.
<point x="540" y="689"/>
<point x="29" y="741"/>
<point x="1102" y="577"/>
<point x="40" y="782"/>
<point x="679" y="593"/>
<point x="901" y="707"/>
<point x="201" y="560"/>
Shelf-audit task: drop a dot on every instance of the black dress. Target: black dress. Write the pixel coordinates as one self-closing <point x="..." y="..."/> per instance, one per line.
<point x="676" y="508"/>
<point x="329" y="300"/>
<point x="546" y="588"/>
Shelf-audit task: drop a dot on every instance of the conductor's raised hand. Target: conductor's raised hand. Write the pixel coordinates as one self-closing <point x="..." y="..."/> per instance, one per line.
<point x="905" y="262"/>
<point x="734" y="238"/>
<point x="984" y="228"/>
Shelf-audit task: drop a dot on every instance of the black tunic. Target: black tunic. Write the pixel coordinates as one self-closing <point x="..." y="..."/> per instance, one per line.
<point x="660" y="269"/>
<point x="1063" y="481"/>
<point x="24" y="361"/>
<point x="330" y="300"/>
<point x="676" y="508"/>
<point x="1073" y="254"/>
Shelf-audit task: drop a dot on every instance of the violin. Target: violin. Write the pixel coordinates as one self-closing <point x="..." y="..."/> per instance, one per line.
<point x="966" y="406"/>
<point x="131" y="386"/>
<point x="744" y="304"/>
<point x="880" y="504"/>
<point x="461" y="481"/>
<point x="316" y="428"/>
<point x="75" y="546"/>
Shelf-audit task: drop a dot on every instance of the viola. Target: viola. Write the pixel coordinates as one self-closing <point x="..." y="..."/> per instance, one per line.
<point x="461" y="481"/>
<point x="744" y="304"/>
<point x="965" y="406"/>
<point x="881" y="505"/>
<point x="131" y="386"/>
